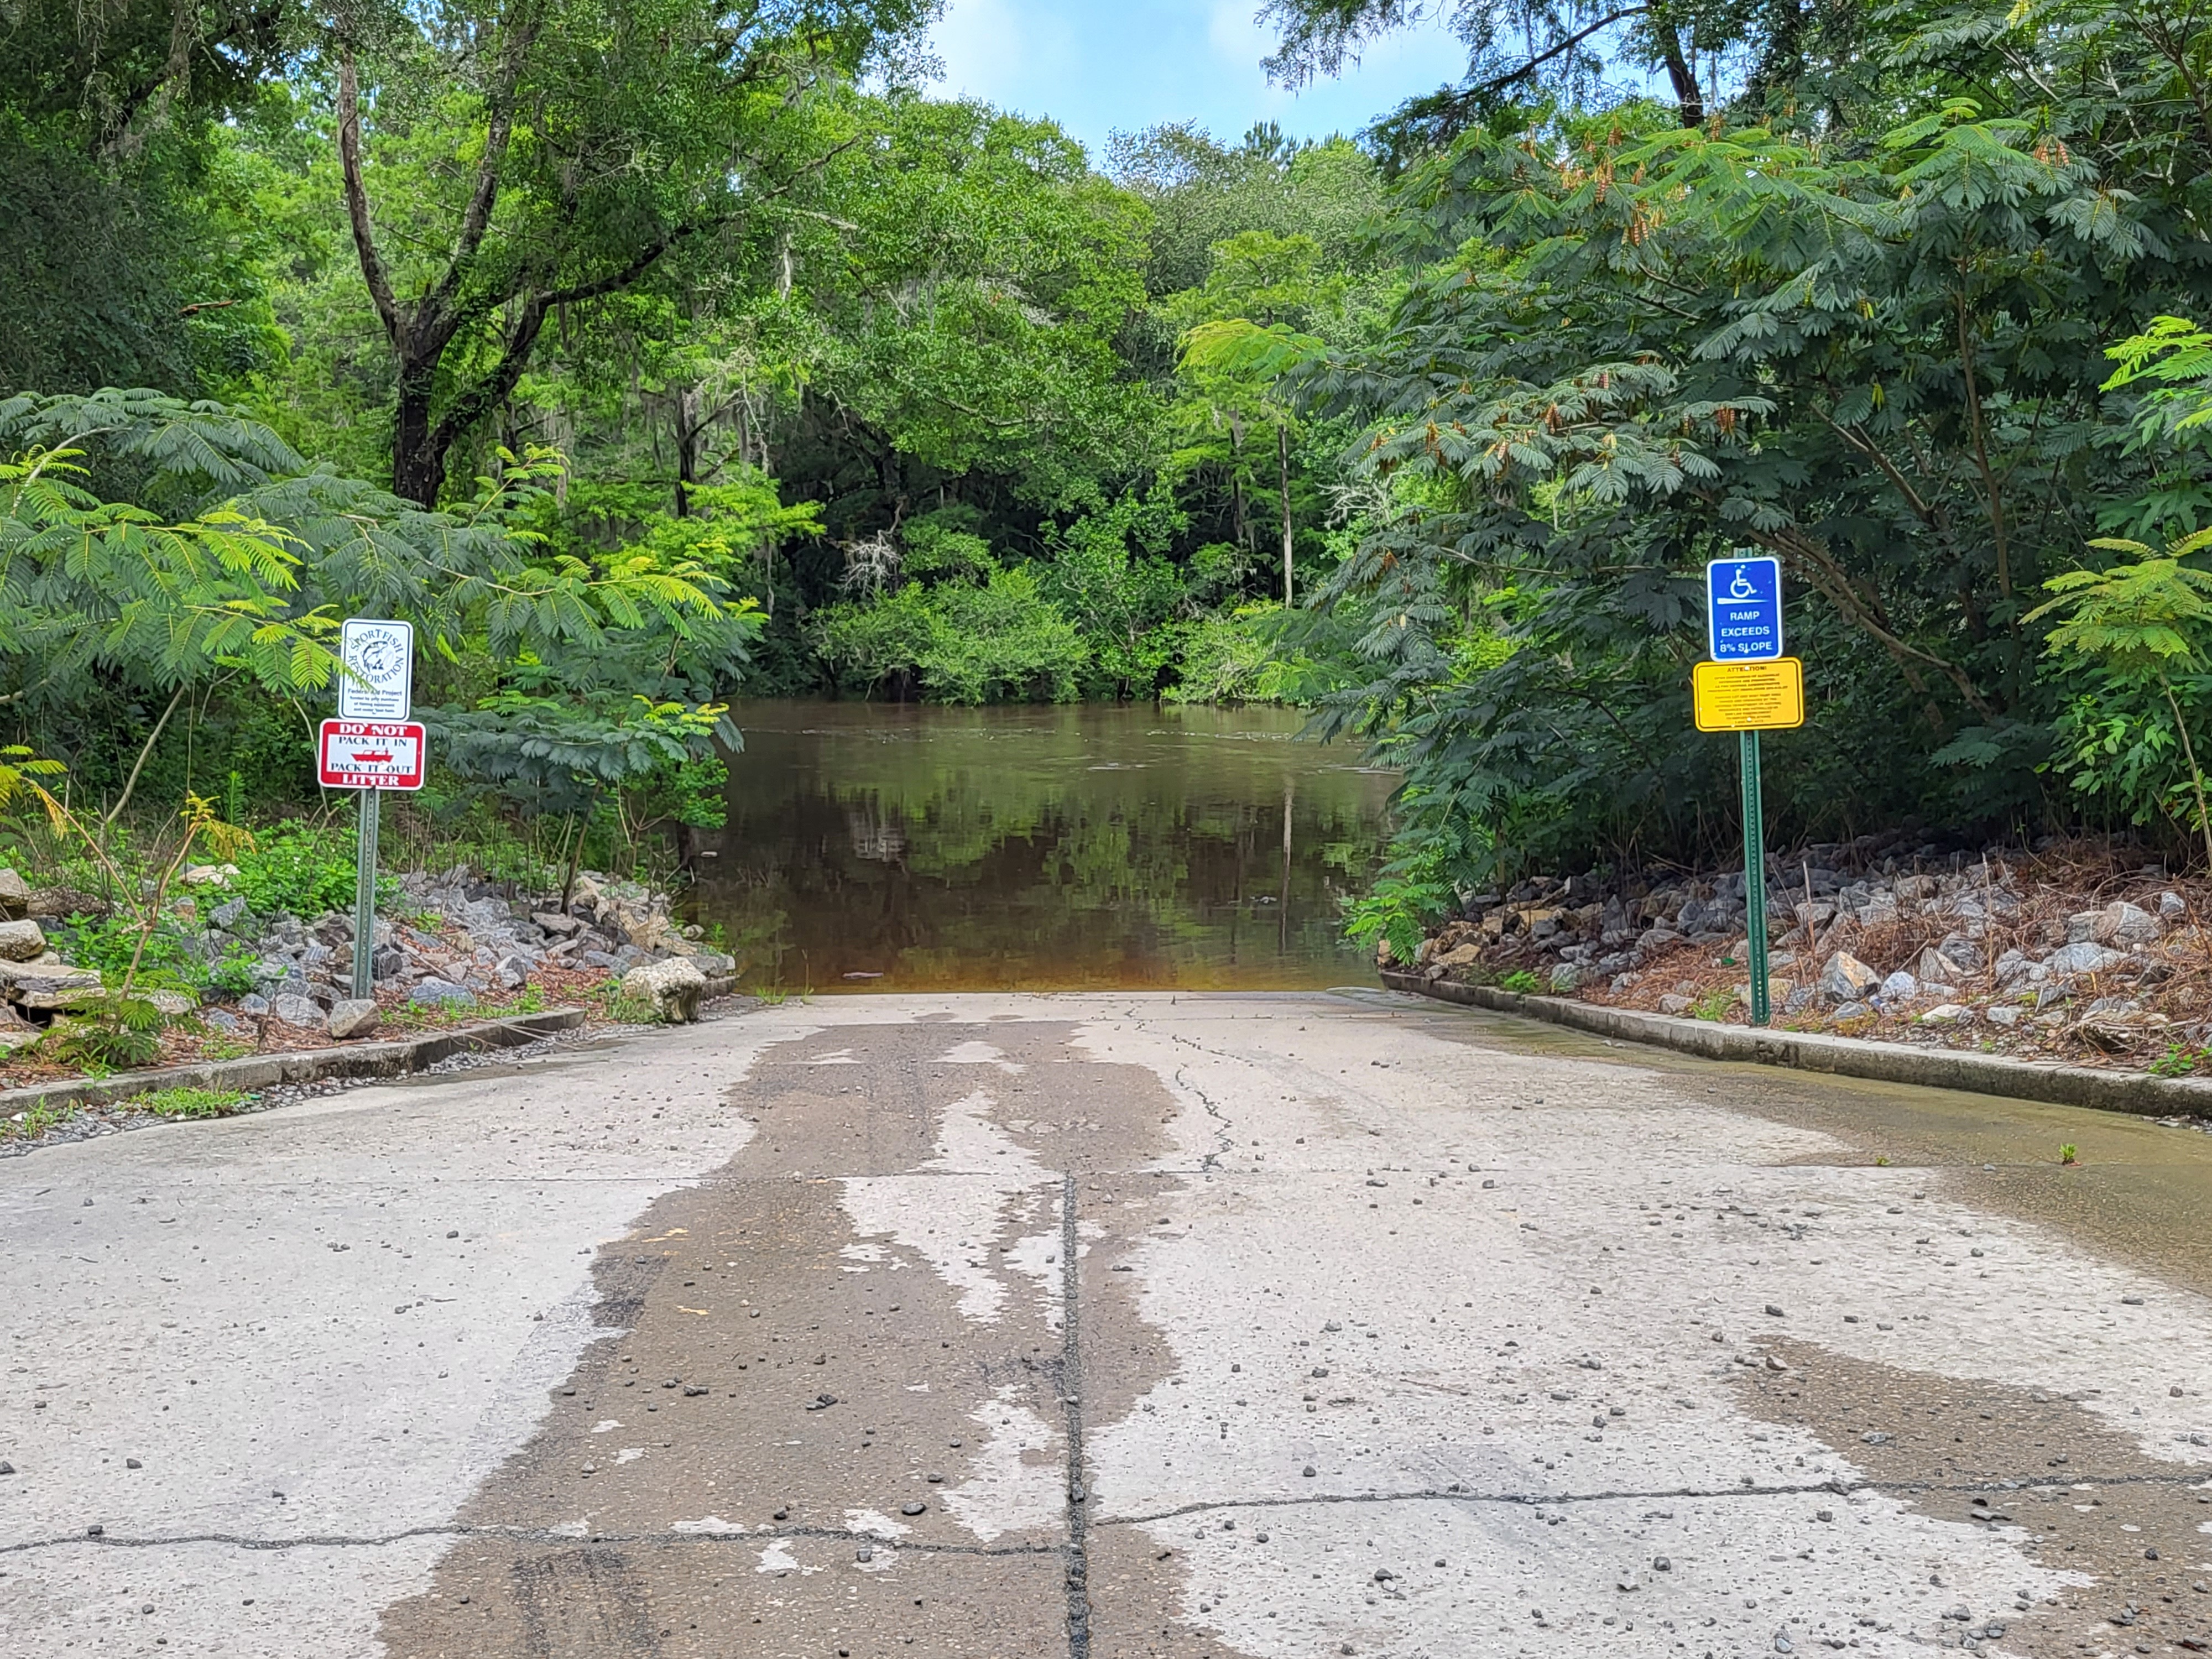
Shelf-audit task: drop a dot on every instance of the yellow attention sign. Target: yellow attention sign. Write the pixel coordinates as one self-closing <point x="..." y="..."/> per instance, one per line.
<point x="1749" y="697"/>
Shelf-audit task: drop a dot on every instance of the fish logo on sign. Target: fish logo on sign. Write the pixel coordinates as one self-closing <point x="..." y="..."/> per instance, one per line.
<point x="378" y="680"/>
<point x="1743" y="609"/>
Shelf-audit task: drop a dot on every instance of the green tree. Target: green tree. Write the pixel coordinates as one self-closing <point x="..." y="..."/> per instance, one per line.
<point x="2137" y="625"/>
<point x="1271" y="286"/>
<point x="564" y="150"/>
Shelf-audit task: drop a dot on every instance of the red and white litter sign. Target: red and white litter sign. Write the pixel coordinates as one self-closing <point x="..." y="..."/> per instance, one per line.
<point x="373" y="754"/>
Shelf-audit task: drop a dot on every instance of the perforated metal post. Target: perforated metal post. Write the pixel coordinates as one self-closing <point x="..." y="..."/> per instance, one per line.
<point x="1754" y="877"/>
<point x="364" y="899"/>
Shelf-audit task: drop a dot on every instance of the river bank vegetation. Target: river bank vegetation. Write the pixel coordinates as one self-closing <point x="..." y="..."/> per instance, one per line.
<point x="647" y="356"/>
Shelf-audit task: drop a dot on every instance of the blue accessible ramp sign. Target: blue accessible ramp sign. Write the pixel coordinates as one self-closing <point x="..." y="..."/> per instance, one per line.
<point x="1743" y="609"/>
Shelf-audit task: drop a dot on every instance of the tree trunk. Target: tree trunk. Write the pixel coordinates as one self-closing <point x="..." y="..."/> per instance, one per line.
<point x="418" y="458"/>
<point x="1688" y="95"/>
<point x="1240" y="527"/>
<point x="687" y="448"/>
<point x="1283" y="460"/>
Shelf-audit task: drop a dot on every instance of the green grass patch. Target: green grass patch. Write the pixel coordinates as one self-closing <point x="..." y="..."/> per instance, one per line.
<point x="192" y="1102"/>
<point x="1714" y="1004"/>
<point x="619" y="1006"/>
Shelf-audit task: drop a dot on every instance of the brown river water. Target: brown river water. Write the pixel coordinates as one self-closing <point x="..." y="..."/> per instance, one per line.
<point x="889" y="847"/>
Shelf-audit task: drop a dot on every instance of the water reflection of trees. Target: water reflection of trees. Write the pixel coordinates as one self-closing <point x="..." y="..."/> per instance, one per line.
<point x="998" y="861"/>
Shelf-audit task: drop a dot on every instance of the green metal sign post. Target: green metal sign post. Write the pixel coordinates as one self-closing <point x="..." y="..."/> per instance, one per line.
<point x="1749" y="685"/>
<point x="376" y="689"/>
<point x="1754" y="877"/>
<point x="364" y="898"/>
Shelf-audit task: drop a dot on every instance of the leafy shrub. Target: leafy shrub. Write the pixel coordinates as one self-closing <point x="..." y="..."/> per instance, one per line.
<point x="235" y="973"/>
<point x="997" y="642"/>
<point x="105" y="1030"/>
<point x="106" y="943"/>
<point x="299" y="870"/>
<point x="1520" y="982"/>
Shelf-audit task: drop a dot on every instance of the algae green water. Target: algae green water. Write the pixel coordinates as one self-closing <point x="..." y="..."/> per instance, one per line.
<point x="889" y="847"/>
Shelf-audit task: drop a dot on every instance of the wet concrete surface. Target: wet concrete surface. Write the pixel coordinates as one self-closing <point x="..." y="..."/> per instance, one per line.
<point x="1219" y="1327"/>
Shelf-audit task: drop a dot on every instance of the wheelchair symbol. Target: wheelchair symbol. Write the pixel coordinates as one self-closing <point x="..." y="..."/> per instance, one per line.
<point x="1741" y="588"/>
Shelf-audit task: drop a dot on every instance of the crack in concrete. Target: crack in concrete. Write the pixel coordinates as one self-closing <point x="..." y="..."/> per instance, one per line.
<point x="1225" y="1139"/>
<point x="529" y="1536"/>
<point x="1071" y="1395"/>
<point x="1830" y="1488"/>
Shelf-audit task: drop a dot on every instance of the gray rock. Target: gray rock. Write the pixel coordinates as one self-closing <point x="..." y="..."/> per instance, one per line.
<point x="673" y="987"/>
<point x="553" y="922"/>
<point x="511" y="971"/>
<point x="1674" y="1003"/>
<point x="1854" y="1010"/>
<point x="254" y="1004"/>
<point x="1566" y="978"/>
<point x="47" y="985"/>
<point x="2013" y="965"/>
<point x="2170" y="906"/>
<point x="1846" y="979"/>
<point x="2003" y="1013"/>
<point x="444" y="993"/>
<point x="2133" y="925"/>
<point x="1961" y="952"/>
<point x="2083" y="957"/>
<point x="221" y="1019"/>
<point x="389" y="962"/>
<point x="173" y="1004"/>
<point x="15" y="893"/>
<point x="1948" y="1013"/>
<point x="1900" y="985"/>
<point x="228" y="914"/>
<point x="21" y="941"/>
<point x="295" y="1010"/>
<point x="1934" y="967"/>
<point x="355" y="1016"/>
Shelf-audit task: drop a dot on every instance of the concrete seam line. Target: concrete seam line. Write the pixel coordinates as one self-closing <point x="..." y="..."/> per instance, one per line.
<point x="1070" y="1397"/>
<point x="2051" y="1083"/>
<point x="1825" y="1488"/>
<point x="304" y="1066"/>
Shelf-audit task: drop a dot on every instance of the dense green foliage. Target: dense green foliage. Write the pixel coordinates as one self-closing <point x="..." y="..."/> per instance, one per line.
<point x="855" y="389"/>
<point x="1864" y="318"/>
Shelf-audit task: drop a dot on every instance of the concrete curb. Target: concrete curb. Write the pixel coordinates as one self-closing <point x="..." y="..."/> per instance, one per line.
<point x="1811" y="1051"/>
<point x="395" y="1058"/>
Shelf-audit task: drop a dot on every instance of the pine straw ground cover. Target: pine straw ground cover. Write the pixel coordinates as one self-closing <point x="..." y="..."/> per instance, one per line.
<point x="2149" y="1009"/>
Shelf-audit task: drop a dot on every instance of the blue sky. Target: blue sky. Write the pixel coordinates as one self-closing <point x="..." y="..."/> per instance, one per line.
<point x="1098" y="66"/>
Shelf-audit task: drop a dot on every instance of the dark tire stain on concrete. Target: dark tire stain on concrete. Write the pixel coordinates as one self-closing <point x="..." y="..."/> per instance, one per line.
<point x="782" y="1447"/>
<point x="2072" y="1492"/>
